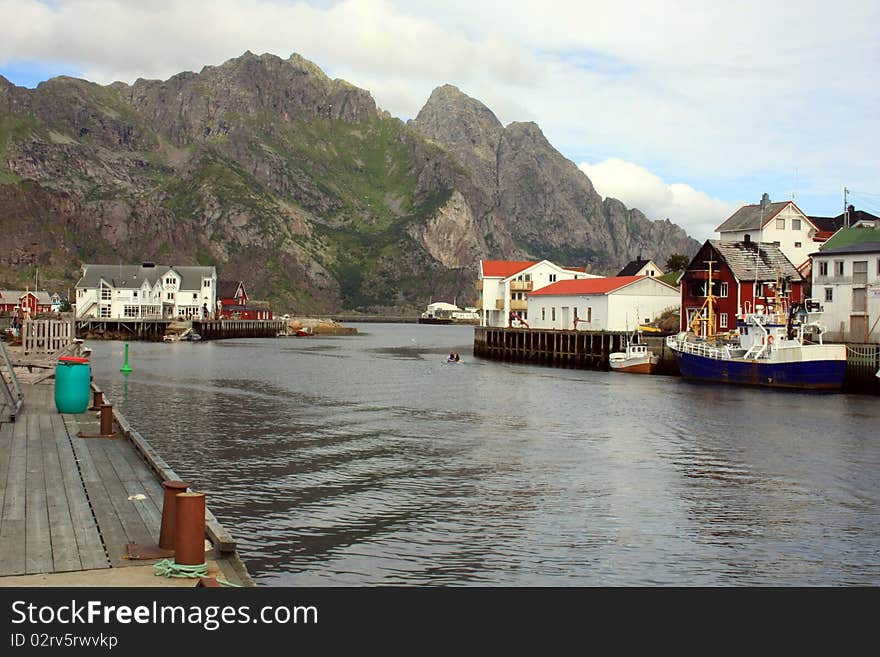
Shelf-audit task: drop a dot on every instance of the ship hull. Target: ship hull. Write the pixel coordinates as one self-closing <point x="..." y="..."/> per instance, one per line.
<point x="644" y="367"/>
<point x="801" y="375"/>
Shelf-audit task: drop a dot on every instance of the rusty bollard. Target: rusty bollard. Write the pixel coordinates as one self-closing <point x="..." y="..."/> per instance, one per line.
<point x="169" y="513"/>
<point x="107" y="419"/>
<point x="189" y="538"/>
<point x="106" y="424"/>
<point x="97" y="400"/>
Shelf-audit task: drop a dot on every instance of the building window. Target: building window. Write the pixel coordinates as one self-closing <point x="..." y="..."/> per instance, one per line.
<point x="105" y="311"/>
<point x="134" y="294"/>
<point x="553" y="314"/>
<point x="829" y="294"/>
<point x="798" y="245"/>
<point x="723" y="289"/>
<point x="878" y="266"/>
<point x="543" y="314"/>
<point x="823" y="267"/>
<point x="195" y="296"/>
<point x="106" y="294"/>
<point x="589" y="313"/>
<point x="859" y="300"/>
<point x="780" y="224"/>
<point x="131" y="311"/>
<point x="795" y="224"/>
<point x="169" y="280"/>
<point x="524" y="315"/>
<point x="838" y="267"/>
<point x="575" y="315"/>
<point x="206" y="283"/>
<point x="169" y="296"/>
<point x="552" y="278"/>
<point x="722" y="320"/>
<point x="860" y="272"/>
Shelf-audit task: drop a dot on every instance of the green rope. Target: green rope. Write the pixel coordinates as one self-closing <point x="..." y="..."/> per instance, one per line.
<point x="170" y="568"/>
<point x="223" y="582"/>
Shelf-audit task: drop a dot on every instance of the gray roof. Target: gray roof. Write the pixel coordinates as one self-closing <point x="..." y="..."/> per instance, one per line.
<point x="632" y="268"/>
<point x="751" y="261"/>
<point x="133" y="276"/>
<point x="8" y="296"/>
<point x="749" y="217"/>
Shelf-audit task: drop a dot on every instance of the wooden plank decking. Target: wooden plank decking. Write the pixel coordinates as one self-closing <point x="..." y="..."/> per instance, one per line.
<point x="70" y="503"/>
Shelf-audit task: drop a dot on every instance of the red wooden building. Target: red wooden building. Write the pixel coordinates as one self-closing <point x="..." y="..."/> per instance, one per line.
<point x="19" y="302"/>
<point x="232" y="302"/>
<point x="744" y="279"/>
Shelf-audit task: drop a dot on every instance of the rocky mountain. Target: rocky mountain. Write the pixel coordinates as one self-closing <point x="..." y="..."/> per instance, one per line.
<point x="296" y="183"/>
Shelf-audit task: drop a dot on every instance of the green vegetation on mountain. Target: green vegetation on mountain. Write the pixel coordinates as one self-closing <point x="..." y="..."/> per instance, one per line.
<point x="295" y="183"/>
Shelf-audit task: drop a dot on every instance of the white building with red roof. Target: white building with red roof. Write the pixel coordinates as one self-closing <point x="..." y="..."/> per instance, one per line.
<point x="618" y="303"/>
<point x="505" y="284"/>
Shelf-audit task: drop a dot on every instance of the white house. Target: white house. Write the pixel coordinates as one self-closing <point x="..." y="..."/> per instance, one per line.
<point x="781" y="223"/>
<point x="146" y="291"/>
<point x="846" y="282"/>
<point x="619" y="303"/>
<point x="504" y="284"/>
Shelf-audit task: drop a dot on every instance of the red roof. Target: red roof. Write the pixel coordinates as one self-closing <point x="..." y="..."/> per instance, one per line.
<point x="505" y="268"/>
<point x="586" y="286"/>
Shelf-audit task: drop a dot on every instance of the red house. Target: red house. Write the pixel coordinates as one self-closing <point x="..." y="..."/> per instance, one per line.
<point x="232" y="302"/>
<point x="744" y="278"/>
<point x="19" y="302"/>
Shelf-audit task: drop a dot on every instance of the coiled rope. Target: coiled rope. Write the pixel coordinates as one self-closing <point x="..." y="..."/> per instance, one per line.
<point x="170" y="568"/>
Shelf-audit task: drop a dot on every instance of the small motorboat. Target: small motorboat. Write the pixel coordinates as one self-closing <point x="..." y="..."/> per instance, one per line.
<point x="186" y="336"/>
<point x="635" y="359"/>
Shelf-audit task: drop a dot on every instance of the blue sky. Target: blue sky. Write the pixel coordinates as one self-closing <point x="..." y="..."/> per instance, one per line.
<point x="683" y="109"/>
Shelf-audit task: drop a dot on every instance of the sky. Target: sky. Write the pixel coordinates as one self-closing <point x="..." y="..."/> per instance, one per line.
<point x="684" y="109"/>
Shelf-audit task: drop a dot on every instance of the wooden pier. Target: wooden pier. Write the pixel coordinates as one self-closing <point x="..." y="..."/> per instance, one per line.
<point x="575" y="349"/>
<point x="591" y="349"/>
<point x="155" y="329"/>
<point x="85" y="506"/>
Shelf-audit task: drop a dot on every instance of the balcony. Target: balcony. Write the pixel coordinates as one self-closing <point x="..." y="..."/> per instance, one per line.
<point x="833" y="280"/>
<point x="499" y="304"/>
<point x="520" y="286"/>
<point x="519" y="304"/>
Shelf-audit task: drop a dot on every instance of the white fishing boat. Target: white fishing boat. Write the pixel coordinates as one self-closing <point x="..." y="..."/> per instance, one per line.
<point x="636" y="358"/>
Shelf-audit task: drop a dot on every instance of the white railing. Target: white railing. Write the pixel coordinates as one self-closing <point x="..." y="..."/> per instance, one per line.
<point x="697" y="348"/>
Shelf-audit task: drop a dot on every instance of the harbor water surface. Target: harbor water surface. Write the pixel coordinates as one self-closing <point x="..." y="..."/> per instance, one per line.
<point x="368" y="460"/>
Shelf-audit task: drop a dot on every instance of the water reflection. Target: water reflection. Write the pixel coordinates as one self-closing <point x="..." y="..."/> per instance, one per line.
<point x="365" y="460"/>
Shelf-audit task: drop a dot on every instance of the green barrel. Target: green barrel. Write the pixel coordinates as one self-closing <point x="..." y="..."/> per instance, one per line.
<point x="72" y="379"/>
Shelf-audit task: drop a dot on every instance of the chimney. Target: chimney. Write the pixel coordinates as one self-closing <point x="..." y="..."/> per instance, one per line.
<point x="765" y="200"/>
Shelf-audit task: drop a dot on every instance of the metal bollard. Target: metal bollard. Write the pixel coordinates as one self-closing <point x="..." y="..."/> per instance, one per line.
<point x="169" y="512"/>
<point x="106" y="419"/>
<point x="97" y="400"/>
<point x="189" y="536"/>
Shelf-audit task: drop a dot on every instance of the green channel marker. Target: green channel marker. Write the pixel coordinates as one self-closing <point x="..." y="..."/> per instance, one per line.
<point x="126" y="367"/>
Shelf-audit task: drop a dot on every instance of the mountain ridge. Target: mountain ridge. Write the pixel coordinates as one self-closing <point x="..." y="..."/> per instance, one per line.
<point x="297" y="183"/>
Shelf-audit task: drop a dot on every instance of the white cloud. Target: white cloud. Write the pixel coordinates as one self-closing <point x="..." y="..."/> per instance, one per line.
<point x="695" y="211"/>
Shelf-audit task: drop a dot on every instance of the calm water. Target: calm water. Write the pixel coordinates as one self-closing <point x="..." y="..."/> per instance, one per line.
<point x="367" y="460"/>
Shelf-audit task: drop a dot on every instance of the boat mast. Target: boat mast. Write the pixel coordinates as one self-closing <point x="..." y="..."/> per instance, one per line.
<point x="708" y="320"/>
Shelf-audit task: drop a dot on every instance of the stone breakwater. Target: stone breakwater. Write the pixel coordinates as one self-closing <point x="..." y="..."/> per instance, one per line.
<point x="319" y="326"/>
